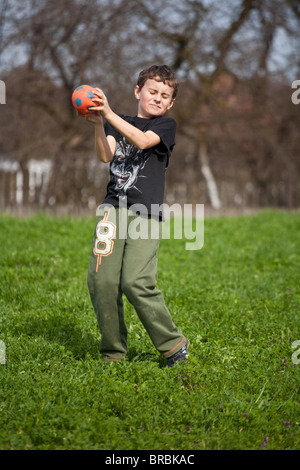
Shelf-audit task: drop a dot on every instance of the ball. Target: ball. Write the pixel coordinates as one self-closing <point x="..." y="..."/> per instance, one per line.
<point x="82" y="99"/>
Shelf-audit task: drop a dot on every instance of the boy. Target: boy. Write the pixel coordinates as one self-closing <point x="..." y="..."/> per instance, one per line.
<point x="138" y="149"/>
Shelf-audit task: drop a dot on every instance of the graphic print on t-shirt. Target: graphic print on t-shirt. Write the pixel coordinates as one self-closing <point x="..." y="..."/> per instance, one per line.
<point x="126" y="165"/>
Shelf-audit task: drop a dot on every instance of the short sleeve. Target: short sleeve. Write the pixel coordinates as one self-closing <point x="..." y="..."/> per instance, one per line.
<point x="165" y="128"/>
<point x="110" y="130"/>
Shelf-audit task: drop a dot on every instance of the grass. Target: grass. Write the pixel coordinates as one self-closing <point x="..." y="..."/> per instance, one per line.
<point x="236" y="299"/>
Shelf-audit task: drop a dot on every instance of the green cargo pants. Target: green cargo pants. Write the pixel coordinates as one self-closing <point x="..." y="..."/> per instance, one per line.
<point x="124" y="261"/>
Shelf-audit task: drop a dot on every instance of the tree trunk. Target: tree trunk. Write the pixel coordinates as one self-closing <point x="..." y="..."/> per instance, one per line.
<point x="212" y="188"/>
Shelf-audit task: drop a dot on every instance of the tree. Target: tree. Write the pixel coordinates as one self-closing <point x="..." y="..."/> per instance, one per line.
<point x="221" y="51"/>
<point x="65" y="43"/>
<point x="226" y="54"/>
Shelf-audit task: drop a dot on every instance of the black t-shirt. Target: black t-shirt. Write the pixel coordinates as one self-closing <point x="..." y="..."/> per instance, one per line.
<point x="138" y="176"/>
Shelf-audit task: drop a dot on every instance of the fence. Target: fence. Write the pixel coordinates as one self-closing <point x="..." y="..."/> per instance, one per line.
<point x="24" y="190"/>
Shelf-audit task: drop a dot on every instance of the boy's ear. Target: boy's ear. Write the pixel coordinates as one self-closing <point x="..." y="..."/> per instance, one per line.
<point x="137" y="92"/>
<point x="171" y="104"/>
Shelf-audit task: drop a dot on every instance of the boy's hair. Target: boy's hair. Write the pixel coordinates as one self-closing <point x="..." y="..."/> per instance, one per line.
<point x="161" y="73"/>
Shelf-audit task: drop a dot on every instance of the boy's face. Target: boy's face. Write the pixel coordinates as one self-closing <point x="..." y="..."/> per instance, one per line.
<point x="155" y="98"/>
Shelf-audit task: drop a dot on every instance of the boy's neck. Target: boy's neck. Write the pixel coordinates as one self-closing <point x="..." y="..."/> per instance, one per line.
<point x="145" y="117"/>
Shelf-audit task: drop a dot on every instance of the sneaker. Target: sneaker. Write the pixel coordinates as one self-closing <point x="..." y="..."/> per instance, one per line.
<point x="179" y="356"/>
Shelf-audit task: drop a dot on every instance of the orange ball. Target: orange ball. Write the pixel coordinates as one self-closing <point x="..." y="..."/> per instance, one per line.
<point x="82" y="99"/>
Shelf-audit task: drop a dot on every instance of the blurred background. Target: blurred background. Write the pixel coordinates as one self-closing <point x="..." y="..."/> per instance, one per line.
<point x="238" y="117"/>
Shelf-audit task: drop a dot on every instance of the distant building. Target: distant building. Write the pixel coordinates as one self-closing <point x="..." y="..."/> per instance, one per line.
<point x="13" y="181"/>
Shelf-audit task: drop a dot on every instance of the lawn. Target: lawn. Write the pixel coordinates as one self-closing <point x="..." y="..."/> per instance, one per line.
<point x="236" y="299"/>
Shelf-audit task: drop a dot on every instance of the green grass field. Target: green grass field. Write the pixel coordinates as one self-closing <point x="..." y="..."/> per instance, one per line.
<point x="236" y="299"/>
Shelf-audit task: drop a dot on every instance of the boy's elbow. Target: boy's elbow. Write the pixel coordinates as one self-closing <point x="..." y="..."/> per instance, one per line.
<point x="142" y="146"/>
<point x="145" y="143"/>
<point x="105" y="159"/>
<point x="149" y="139"/>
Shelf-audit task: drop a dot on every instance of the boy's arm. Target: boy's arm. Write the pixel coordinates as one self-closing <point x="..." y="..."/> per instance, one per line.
<point x="142" y="140"/>
<point x="105" y="145"/>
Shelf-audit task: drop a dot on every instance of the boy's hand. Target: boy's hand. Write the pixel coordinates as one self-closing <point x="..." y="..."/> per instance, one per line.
<point x="100" y="110"/>
<point x="101" y="103"/>
<point x="94" y="117"/>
